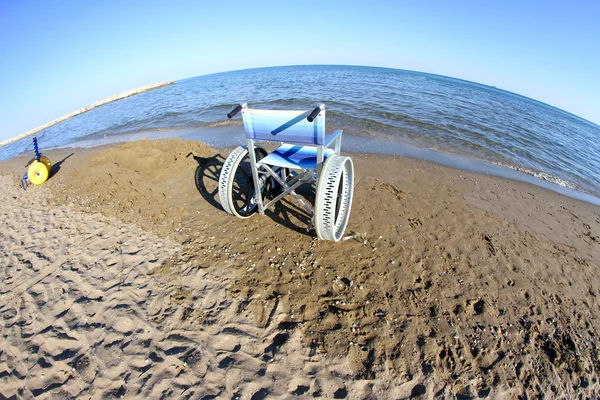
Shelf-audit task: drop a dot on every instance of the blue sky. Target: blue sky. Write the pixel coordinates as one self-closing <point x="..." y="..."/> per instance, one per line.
<point x="58" y="56"/>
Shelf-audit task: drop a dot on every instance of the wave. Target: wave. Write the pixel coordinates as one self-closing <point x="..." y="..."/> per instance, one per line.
<point x="226" y="122"/>
<point x="546" y="177"/>
<point x="426" y="111"/>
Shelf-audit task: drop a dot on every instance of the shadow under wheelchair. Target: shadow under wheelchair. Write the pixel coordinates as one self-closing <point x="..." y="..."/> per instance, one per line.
<point x="206" y="177"/>
<point x="285" y="212"/>
<point x="290" y="214"/>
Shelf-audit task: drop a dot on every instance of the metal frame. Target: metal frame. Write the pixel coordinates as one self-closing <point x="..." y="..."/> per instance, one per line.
<point x="306" y="175"/>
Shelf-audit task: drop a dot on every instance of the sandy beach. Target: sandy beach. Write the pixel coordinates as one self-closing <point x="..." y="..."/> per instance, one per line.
<point x="123" y="277"/>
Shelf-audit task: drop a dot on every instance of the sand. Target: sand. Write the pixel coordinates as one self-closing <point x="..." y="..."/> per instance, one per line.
<point x="122" y="276"/>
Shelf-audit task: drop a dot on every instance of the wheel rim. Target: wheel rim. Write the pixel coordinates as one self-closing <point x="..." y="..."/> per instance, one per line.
<point x="237" y="189"/>
<point x="334" y="198"/>
<point x="343" y="200"/>
<point x="242" y="190"/>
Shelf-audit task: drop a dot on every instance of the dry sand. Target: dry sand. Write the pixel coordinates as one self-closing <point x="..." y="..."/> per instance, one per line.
<point x="122" y="276"/>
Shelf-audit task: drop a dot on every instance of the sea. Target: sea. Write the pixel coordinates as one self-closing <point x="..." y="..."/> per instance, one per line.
<point x="441" y="119"/>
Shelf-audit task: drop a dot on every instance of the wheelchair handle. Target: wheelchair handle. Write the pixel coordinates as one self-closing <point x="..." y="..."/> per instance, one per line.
<point x="234" y="111"/>
<point x="313" y="114"/>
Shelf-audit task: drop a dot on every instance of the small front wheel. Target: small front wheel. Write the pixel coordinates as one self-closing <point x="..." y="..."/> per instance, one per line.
<point x="236" y="186"/>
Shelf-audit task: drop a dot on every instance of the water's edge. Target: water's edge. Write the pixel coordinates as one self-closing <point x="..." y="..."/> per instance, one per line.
<point x="232" y="135"/>
<point x="441" y="119"/>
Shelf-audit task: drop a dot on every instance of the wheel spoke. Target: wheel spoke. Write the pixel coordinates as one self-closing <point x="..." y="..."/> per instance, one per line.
<point x="244" y="199"/>
<point x="338" y="200"/>
<point x="242" y="190"/>
<point x="248" y="201"/>
<point x="245" y="174"/>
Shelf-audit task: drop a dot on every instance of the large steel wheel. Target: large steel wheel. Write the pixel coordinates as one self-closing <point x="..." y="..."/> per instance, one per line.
<point x="236" y="187"/>
<point x="334" y="197"/>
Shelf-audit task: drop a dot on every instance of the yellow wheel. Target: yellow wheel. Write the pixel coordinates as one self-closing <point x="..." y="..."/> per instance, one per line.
<point x="46" y="162"/>
<point x="37" y="173"/>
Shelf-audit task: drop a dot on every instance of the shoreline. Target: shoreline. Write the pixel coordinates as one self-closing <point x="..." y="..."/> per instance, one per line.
<point x="229" y="135"/>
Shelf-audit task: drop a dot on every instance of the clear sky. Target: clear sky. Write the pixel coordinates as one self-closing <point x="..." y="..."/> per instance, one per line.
<point x="59" y="56"/>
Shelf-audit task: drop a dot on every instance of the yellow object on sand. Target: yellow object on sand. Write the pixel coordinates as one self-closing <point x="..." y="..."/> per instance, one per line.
<point x="37" y="173"/>
<point x="44" y="160"/>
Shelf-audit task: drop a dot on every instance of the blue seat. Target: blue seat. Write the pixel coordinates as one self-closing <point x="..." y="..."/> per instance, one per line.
<point x="295" y="157"/>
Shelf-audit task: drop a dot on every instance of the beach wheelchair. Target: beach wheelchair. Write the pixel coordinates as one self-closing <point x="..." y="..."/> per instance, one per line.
<point x="250" y="175"/>
<point x="38" y="170"/>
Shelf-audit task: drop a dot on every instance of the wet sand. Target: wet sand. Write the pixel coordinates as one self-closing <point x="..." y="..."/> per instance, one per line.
<point x="122" y="276"/>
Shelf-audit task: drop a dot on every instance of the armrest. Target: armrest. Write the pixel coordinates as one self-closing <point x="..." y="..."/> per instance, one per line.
<point x="337" y="135"/>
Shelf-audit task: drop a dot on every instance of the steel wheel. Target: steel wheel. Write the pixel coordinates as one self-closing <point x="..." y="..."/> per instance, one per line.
<point x="236" y="186"/>
<point x="334" y="197"/>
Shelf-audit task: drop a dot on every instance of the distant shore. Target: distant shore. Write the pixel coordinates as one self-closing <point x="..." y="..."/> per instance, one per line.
<point x="107" y="100"/>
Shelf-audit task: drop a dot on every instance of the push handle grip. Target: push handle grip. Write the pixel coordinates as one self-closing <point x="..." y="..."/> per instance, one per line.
<point x="234" y="111"/>
<point x="313" y="114"/>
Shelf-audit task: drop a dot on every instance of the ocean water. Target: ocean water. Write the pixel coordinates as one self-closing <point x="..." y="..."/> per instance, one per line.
<point x="415" y="109"/>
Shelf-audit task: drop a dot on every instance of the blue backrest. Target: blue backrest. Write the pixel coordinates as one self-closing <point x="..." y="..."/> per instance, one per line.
<point x="284" y="126"/>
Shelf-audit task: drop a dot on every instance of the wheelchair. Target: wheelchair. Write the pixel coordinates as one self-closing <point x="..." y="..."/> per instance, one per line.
<point x="252" y="176"/>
